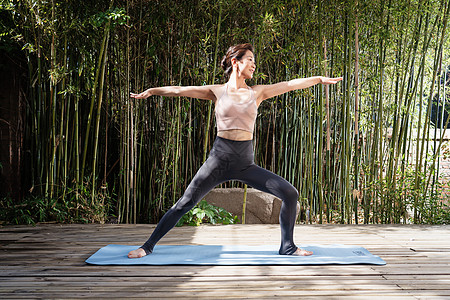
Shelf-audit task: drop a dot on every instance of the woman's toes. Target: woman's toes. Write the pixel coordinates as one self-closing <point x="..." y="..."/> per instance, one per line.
<point x="138" y="253"/>
<point x="301" y="252"/>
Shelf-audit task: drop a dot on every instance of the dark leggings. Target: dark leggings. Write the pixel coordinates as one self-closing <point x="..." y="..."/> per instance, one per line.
<point x="233" y="160"/>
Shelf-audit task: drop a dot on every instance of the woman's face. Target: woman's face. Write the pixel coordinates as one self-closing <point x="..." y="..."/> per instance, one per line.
<point x="246" y="66"/>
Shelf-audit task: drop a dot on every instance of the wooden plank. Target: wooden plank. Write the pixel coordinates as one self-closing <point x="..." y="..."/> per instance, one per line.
<point x="235" y="295"/>
<point x="83" y="270"/>
<point x="213" y="280"/>
<point x="199" y="296"/>
<point x="162" y="286"/>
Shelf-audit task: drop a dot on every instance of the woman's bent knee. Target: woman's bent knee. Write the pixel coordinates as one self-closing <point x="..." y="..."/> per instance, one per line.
<point x="184" y="204"/>
<point x="293" y="193"/>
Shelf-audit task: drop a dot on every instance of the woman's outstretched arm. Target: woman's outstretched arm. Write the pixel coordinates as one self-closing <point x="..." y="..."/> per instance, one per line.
<point x="272" y="90"/>
<point x="201" y="92"/>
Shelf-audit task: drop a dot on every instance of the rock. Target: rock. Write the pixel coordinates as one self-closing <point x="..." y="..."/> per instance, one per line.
<point x="261" y="208"/>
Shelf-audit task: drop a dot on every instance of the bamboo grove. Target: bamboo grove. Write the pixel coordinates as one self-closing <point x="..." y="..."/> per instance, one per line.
<point x="363" y="151"/>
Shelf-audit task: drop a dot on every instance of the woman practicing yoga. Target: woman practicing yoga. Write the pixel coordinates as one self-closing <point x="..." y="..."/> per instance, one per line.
<point x="231" y="157"/>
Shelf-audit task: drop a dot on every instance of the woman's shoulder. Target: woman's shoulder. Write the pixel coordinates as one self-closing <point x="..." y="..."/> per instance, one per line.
<point x="217" y="86"/>
<point x="218" y="89"/>
<point x="257" y="87"/>
<point x="258" y="91"/>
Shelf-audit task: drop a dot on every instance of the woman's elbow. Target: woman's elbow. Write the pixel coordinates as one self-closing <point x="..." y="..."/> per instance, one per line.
<point x="291" y="85"/>
<point x="175" y="91"/>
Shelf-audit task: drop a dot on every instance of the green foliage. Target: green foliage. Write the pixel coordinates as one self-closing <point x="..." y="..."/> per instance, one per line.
<point x="33" y="210"/>
<point x="406" y="201"/>
<point x="433" y="208"/>
<point x="83" y="210"/>
<point x="76" y="207"/>
<point x="116" y="15"/>
<point x="6" y="5"/>
<point x="204" y="212"/>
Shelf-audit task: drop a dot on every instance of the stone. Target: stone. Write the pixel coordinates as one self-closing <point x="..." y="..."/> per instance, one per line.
<point x="261" y="208"/>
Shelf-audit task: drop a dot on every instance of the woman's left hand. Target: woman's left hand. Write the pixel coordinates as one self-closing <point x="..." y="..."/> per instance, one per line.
<point x="327" y="80"/>
<point x="143" y="95"/>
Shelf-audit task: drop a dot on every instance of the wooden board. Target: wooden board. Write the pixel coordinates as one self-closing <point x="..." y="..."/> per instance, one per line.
<point x="47" y="261"/>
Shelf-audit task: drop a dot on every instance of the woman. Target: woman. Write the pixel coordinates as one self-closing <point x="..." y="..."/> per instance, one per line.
<point x="231" y="157"/>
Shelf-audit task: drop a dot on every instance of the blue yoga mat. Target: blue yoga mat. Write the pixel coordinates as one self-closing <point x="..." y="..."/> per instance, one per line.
<point x="234" y="255"/>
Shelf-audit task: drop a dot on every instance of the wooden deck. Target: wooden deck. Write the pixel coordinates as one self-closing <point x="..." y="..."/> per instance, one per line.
<point x="47" y="261"/>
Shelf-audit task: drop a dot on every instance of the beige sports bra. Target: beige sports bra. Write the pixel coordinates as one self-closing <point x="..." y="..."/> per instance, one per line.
<point x="236" y="115"/>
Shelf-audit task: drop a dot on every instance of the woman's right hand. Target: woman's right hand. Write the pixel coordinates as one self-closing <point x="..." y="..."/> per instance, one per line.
<point x="143" y="95"/>
<point x="199" y="92"/>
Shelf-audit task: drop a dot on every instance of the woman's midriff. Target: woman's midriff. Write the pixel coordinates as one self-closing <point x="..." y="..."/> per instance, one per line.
<point x="235" y="135"/>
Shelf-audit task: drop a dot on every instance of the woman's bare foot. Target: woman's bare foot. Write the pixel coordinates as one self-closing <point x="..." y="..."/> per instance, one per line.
<point x="138" y="253"/>
<point x="301" y="252"/>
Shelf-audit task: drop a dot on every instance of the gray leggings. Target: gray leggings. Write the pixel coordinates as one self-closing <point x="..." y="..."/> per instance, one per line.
<point x="233" y="160"/>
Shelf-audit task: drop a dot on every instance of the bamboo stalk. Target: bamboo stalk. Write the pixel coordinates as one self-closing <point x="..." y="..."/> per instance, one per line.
<point x="244" y="205"/>
<point x="328" y="147"/>
<point x="209" y="105"/>
<point x="418" y="166"/>
<point x="63" y="155"/>
<point x="356" y="126"/>
<point x="94" y="95"/>
<point x="53" y="80"/>
<point x="97" y="122"/>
